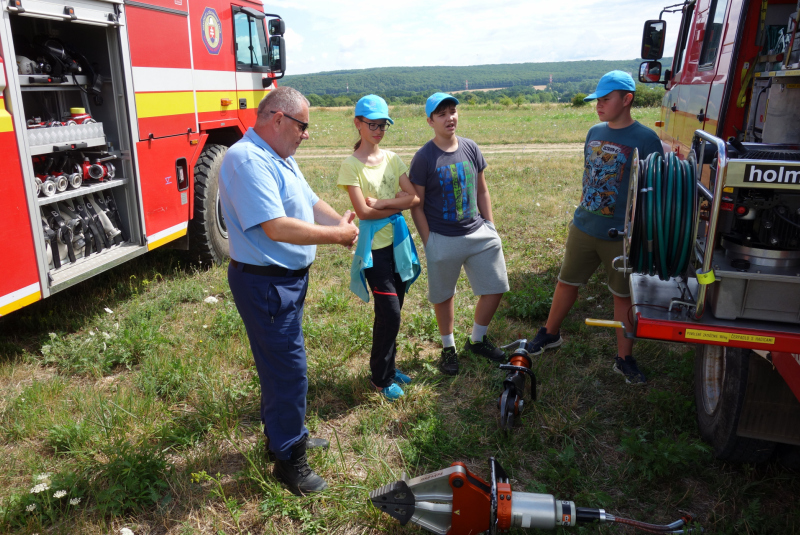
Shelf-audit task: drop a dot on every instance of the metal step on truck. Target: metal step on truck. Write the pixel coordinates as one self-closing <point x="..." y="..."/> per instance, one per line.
<point x="114" y="118"/>
<point x="712" y="233"/>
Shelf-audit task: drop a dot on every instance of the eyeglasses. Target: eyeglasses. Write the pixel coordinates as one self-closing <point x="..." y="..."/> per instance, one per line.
<point x="375" y="126"/>
<point x="303" y="126"/>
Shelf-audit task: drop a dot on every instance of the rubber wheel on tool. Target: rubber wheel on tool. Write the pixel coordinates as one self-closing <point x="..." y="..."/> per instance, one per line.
<point x="720" y="381"/>
<point x="208" y="235"/>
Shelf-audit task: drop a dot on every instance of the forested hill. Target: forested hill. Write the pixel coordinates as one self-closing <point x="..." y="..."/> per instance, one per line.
<point x="388" y="80"/>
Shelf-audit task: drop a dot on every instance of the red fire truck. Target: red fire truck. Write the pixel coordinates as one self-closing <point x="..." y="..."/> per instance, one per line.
<point x="114" y="118"/>
<point x="731" y="115"/>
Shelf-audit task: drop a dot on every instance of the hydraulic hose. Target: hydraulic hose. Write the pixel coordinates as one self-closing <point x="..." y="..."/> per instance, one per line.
<point x="662" y="240"/>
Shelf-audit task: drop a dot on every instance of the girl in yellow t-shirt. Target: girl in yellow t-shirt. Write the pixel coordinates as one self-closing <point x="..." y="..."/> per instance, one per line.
<point x="378" y="185"/>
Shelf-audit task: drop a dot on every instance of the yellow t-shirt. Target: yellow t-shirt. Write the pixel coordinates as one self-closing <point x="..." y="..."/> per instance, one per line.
<point x="380" y="181"/>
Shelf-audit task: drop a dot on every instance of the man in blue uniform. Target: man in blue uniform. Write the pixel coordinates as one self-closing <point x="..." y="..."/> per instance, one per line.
<point x="270" y="212"/>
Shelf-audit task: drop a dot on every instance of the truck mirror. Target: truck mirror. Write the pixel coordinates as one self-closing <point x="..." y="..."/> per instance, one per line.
<point x="653" y="39"/>
<point x="276" y="27"/>
<point x="650" y="72"/>
<point x="277" y="55"/>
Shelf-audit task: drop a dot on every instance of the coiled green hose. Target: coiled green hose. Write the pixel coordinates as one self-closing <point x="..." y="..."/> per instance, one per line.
<point x="662" y="241"/>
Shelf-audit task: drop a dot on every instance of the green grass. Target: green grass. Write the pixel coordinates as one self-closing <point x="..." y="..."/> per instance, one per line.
<point x="149" y="414"/>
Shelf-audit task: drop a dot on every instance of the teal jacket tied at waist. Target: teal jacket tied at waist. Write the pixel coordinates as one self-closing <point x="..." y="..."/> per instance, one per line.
<point x="405" y="254"/>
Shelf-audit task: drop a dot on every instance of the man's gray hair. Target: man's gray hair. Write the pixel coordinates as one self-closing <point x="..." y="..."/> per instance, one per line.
<point x="285" y="99"/>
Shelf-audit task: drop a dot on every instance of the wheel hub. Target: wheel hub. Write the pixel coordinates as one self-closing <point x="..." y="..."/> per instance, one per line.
<point x="713" y="377"/>
<point x="221" y="227"/>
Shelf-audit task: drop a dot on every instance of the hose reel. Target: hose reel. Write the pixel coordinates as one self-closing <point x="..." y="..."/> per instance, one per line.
<point x="660" y="216"/>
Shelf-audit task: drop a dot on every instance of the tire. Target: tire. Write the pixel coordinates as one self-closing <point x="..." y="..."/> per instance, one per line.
<point x="208" y="235"/>
<point x="720" y="382"/>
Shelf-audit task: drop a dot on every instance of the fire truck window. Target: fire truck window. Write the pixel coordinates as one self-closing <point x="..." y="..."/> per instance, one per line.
<point x="686" y="23"/>
<point x="251" y="43"/>
<point x="715" y="25"/>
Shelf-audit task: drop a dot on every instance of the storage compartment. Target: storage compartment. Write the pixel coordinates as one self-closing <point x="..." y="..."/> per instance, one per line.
<point x="734" y="298"/>
<point x="71" y="82"/>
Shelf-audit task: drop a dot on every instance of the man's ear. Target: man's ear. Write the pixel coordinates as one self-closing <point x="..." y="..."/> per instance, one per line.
<point x="430" y="121"/>
<point x="627" y="100"/>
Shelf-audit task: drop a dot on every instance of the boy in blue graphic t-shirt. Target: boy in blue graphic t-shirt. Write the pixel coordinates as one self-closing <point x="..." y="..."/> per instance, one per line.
<point x="454" y="220"/>
<point x="608" y="152"/>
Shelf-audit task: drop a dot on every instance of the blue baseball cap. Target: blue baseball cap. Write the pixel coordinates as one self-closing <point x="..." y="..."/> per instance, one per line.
<point x="373" y="107"/>
<point x="611" y="82"/>
<point x="434" y="100"/>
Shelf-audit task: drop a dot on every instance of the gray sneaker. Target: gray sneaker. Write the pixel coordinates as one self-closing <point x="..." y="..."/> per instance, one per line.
<point x="630" y="370"/>
<point x="543" y="341"/>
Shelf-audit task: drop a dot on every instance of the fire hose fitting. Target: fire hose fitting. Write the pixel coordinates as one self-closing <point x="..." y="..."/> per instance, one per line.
<point x="48" y="187"/>
<point x="62" y="183"/>
<point x="75" y="180"/>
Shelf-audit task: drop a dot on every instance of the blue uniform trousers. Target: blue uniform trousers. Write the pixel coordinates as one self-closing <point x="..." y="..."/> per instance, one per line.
<point x="272" y="311"/>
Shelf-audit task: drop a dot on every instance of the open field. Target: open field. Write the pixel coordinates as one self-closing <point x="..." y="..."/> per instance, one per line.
<point x="148" y="411"/>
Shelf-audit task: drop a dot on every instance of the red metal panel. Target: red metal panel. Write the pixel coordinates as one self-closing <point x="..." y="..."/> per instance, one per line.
<point x="788" y="366"/>
<point x="164" y="206"/>
<point x="223" y="59"/>
<point x="166" y="125"/>
<point x="676" y="331"/>
<point x="158" y="39"/>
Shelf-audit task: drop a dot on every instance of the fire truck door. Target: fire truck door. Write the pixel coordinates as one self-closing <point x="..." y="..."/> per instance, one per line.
<point x="19" y="285"/>
<point x="251" y="61"/>
<point x="162" y="67"/>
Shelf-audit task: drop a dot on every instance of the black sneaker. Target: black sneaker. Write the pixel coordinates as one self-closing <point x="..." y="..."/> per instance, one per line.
<point x="628" y="368"/>
<point x="543" y="341"/>
<point x="296" y="474"/>
<point x="486" y="349"/>
<point x="448" y="362"/>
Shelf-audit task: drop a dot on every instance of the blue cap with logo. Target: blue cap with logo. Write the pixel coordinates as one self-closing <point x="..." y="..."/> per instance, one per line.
<point x="434" y="100"/>
<point x="611" y="82"/>
<point x="373" y="107"/>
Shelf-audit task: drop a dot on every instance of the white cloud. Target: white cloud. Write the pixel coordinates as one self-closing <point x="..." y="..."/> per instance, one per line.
<point x="323" y="35"/>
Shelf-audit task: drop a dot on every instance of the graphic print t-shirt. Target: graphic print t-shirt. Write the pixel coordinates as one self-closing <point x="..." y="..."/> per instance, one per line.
<point x="608" y="153"/>
<point x="451" y="186"/>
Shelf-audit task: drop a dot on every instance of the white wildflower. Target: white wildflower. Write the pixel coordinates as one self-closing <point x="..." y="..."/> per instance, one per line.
<point x="210" y="300"/>
<point x="106" y="335"/>
<point x="108" y="310"/>
<point x="60" y="494"/>
<point x="31" y="507"/>
<point x="537" y="204"/>
<point x="41" y="487"/>
<point x="126" y="531"/>
<point x="42" y="477"/>
<point x="205" y="326"/>
<point x="53" y="336"/>
<point x="590" y="298"/>
<point x="75" y="501"/>
<point x="91" y="333"/>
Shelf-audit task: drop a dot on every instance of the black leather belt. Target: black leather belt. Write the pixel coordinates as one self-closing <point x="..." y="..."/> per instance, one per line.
<point x="269" y="271"/>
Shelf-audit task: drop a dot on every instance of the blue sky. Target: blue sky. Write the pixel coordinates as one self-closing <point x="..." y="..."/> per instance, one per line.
<point x="325" y="35"/>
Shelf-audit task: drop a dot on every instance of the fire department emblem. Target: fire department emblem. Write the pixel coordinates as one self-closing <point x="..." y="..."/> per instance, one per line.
<point x="212" y="31"/>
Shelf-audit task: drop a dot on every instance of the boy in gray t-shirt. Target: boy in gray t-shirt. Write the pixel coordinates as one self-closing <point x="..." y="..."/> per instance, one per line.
<point x="456" y="225"/>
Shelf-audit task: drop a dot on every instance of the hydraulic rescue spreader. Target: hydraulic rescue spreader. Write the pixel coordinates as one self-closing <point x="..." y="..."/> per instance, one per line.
<point x="454" y="501"/>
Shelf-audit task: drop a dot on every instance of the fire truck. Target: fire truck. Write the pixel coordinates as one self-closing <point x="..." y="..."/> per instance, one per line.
<point x="712" y="233"/>
<point x="114" y="118"/>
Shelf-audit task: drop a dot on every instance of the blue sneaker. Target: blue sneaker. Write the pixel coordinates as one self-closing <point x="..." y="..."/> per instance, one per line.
<point x="401" y="378"/>
<point x="391" y="392"/>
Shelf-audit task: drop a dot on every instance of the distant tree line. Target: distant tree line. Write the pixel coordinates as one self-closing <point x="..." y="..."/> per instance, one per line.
<point x="646" y="95"/>
<point x="412" y="85"/>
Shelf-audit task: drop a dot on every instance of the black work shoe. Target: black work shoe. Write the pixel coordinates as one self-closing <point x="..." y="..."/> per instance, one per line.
<point x="487" y="349"/>
<point x="311" y="443"/>
<point x="628" y="368"/>
<point x="448" y="362"/>
<point x="296" y="474"/>
<point x="543" y="341"/>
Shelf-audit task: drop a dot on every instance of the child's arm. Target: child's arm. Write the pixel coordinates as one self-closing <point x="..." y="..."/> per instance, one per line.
<point x="418" y="215"/>
<point x="362" y="210"/>
<point x="484" y="200"/>
<point x="406" y="198"/>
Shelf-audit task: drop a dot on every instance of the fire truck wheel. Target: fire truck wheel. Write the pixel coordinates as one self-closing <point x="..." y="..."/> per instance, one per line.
<point x="208" y="235"/>
<point x="720" y="381"/>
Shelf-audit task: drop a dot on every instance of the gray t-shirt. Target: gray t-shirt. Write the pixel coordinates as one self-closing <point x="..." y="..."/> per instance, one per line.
<point x="450" y="180"/>
<point x="607" y="154"/>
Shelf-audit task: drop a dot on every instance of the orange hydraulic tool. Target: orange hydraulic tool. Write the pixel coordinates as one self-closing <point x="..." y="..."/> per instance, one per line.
<point x="511" y="401"/>
<point x="454" y="501"/>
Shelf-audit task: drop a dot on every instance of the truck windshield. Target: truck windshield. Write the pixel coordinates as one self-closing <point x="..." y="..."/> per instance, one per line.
<point x="251" y="43"/>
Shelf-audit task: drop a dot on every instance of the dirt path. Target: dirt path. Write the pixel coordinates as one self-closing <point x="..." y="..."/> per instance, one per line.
<point x="524" y="148"/>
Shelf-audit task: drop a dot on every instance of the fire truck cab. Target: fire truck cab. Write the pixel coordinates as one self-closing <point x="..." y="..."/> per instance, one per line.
<point x="732" y="108"/>
<point x="114" y="118"/>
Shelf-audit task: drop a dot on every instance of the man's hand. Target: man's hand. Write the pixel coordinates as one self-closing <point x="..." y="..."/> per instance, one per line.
<point x="348" y="232"/>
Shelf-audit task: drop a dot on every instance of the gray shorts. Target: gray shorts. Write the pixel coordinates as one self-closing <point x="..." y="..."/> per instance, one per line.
<point x="481" y="254"/>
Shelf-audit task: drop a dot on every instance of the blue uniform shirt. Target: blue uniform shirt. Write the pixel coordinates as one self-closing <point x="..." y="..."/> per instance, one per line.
<point x="257" y="185"/>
